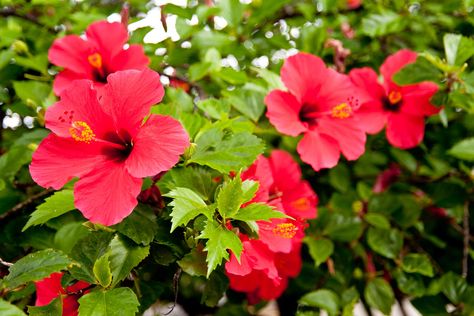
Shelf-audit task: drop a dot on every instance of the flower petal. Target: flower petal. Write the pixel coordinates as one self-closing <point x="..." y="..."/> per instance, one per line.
<point x="129" y="95"/>
<point x="64" y="79"/>
<point x="71" y="52"/>
<point x="348" y="133"/>
<point x="107" y="194"/>
<point x="303" y="74"/>
<point x="157" y="146"/>
<point x="416" y="99"/>
<point x="404" y="130"/>
<point x="48" y="289"/>
<point x="109" y="38"/>
<point x="318" y="150"/>
<point x="300" y="201"/>
<point x="394" y="63"/>
<point x="286" y="172"/>
<point x="372" y="117"/>
<point x="131" y="58"/>
<point x="366" y="79"/>
<point x="57" y="160"/>
<point x="78" y="103"/>
<point x="283" y="112"/>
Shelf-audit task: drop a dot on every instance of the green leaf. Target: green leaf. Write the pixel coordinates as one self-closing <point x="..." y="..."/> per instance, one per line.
<point x="213" y="107"/>
<point x="388" y="243"/>
<point x="257" y="211"/>
<point x="68" y="235"/>
<point x="430" y="306"/>
<point x="324" y="299"/>
<point x="226" y="153"/>
<point x="116" y="302"/>
<point x="249" y="189"/>
<point x="265" y="9"/>
<point x="7" y="309"/>
<point x="140" y="226"/>
<point x="339" y="177"/>
<point x="379" y="295"/>
<point x="404" y="158"/>
<point x="453" y="286"/>
<point x="215" y="288"/>
<point x="248" y="100"/>
<point x="219" y="240"/>
<point x="343" y="228"/>
<point x="458" y="48"/>
<point x="377" y="220"/>
<point x="388" y="22"/>
<point x="102" y="271"/>
<point x="36" y="266"/>
<point x="419" y="71"/>
<point x="463" y="150"/>
<point x="229" y="198"/>
<point x="194" y="263"/>
<point x="55" y="308"/>
<point x="411" y="284"/>
<point x="186" y="206"/>
<point x="232" y="76"/>
<point x="5" y="57"/>
<point x="56" y="205"/>
<point x="32" y="91"/>
<point x="417" y="263"/>
<point x="231" y="11"/>
<point x="319" y="249"/>
<point x="272" y="79"/>
<point x="124" y="256"/>
<point x="87" y="251"/>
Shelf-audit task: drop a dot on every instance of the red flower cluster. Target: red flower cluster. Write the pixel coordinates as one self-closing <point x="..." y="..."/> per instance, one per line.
<point x="49" y="288"/>
<point x="95" y="56"/>
<point x="267" y="263"/>
<point x="333" y="111"/>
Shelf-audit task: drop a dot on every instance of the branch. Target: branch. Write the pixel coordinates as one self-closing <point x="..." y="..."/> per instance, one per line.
<point x="10" y="11"/>
<point x="466" y="234"/>
<point x="5" y="263"/>
<point x="25" y="203"/>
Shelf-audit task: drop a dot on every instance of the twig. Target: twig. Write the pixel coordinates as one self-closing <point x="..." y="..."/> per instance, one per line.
<point x="5" y="263"/>
<point x="25" y="203"/>
<point x="466" y="235"/>
<point x="10" y="11"/>
<point x="175" y="289"/>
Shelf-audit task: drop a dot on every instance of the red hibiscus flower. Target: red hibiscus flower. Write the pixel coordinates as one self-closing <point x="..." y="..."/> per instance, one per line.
<point x="402" y="109"/>
<point x="107" y="144"/>
<point x="96" y="56"/>
<point x="267" y="263"/>
<point x="49" y="288"/>
<point x="320" y="104"/>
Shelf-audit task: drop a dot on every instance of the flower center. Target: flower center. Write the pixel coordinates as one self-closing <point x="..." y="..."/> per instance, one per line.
<point x="81" y="132"/>
<point x="394" y="97"/>
<point x="95" y="60"/>
<point x="301" y="204"/>
<point x="285" y="230"/>
<point x="341" y="111"/>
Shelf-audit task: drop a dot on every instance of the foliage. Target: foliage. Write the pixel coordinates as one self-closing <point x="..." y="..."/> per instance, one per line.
<point x="410" y="240"/>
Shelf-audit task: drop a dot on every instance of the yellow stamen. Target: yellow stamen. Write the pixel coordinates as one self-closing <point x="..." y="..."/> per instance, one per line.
<point x="285" y="230"/>
<point x="394" y="97"/>
<point x="341" y="111"/>
<point x="301" y="204"/>
<point x="95" y="60"/>
<point x="81" y="132"/>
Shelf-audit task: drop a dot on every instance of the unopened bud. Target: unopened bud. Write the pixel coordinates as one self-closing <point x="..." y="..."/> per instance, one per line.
<point x="20" y="47"/>
<point x="189" y="152"/>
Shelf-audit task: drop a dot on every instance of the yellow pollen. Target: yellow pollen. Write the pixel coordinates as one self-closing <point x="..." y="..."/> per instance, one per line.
<point x="95" y="60"/>
<point x="394" y="97"/>
<point x="301" y="204"/>
<point x="341" y="111"/>
<point x="285" y="230"/>
<point x="81" y="132"/>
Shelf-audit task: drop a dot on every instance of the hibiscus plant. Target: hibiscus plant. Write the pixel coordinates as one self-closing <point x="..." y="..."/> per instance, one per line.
<point x="236" y="157"/>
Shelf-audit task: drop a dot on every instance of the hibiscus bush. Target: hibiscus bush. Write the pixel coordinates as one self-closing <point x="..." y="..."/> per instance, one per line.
<point x="236" y="157"/>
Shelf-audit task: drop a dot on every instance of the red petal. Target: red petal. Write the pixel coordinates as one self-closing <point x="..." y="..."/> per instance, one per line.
<point x="416" y="99"/>
<point x="57" y="160"/>
<point x="71" y="52"/>
<point x="300" y="201"/>
<point x="128" y="96"/>
<point x="283" y="112"/>
<point x="109" y="38"/>
<point x="64" y="79"/>
<point x="78" y="103"/>
<point x="394" y="63"/>
<point x="319" y="150"/>
<point x="107" y="194"/>
<point x="131" y="58"/>
<point x="348" y="133"/>
<point x="48" y="289"/>
<point x="260" y="171"/>
<point x="303" y="74"/>
<point x="286" y="172"/>
<point x="405" y="131"/>
<point x="367" y="79"/>
<point x="157" y="146"/>
<point x="371" y="117"/>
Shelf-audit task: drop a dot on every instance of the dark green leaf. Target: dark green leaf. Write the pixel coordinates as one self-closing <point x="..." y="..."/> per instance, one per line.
<point x="140" y="226"/>
<point x="7" y="309"/>
<point x="55" y="308"/>
<point x="379" y="295"/>
<point x="417" y="263"/>
<point x="116" y="302"/>
<point x="324" y="299"/>
<point x="319" y="249"/>
<point x="463" y="150"/>
<point x="387" y="243"/>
